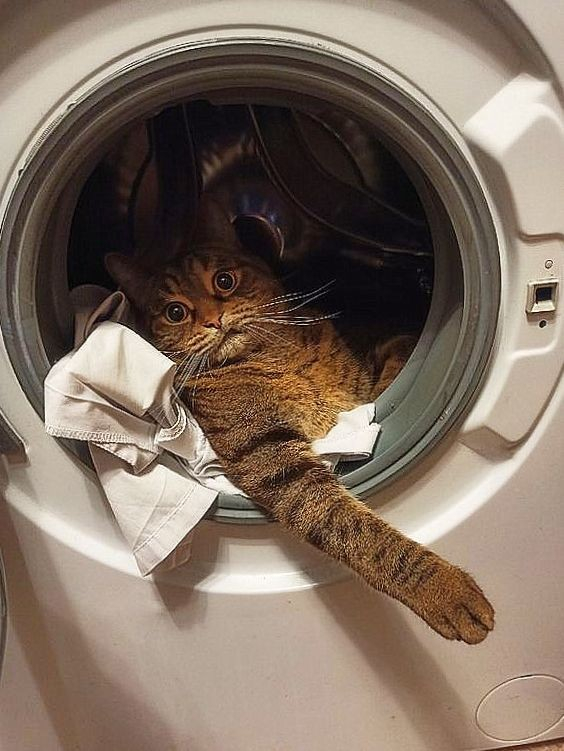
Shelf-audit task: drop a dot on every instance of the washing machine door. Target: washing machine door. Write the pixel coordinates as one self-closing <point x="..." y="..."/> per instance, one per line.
<point x="260" y="642"/>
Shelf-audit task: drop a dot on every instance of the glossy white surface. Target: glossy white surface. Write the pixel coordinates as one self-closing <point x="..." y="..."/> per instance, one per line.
<point x="242" y="649"/>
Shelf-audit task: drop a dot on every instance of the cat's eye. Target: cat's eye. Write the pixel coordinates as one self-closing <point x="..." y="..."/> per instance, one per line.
<point x="176" y="312"/>
<point x="225" y="281"/>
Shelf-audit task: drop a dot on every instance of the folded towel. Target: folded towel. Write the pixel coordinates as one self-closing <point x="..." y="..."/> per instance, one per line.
<point x="159" y="472"/>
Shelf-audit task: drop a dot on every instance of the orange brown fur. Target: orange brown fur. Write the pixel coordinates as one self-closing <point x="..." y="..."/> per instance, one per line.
<point x="263" y="386"/>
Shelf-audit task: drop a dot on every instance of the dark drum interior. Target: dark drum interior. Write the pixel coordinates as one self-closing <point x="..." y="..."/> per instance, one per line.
<point x="320" y="192"/>
<point x="327" y="197"/>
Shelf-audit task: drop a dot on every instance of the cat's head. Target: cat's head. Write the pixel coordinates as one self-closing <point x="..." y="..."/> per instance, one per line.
<point x="206" y="303"/>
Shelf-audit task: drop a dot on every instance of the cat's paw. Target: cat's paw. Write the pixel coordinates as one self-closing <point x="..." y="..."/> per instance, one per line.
<point x="451" y="603"/>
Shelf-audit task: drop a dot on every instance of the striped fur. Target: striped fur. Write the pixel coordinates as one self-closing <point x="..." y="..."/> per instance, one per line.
<point x="263" y="383"/>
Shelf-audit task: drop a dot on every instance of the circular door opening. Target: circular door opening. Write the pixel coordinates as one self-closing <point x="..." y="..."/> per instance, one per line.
<point x="376" y="147"/>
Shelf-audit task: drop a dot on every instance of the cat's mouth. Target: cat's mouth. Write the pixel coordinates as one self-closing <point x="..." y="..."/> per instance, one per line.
<point x="232" y="345"/>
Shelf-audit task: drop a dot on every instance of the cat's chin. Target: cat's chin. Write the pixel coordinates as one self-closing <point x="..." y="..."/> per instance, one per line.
<point x="234" y="346"/>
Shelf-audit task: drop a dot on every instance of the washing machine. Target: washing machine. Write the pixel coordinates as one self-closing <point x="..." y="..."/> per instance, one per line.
<point x="260" y="642"/>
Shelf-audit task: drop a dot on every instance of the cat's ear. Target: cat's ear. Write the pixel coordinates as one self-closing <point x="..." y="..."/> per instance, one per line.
<point x="130" y="276"/>
<point x="260" y="237"/>
<point x="248" y="232"/>
<point x="213" y="226"/>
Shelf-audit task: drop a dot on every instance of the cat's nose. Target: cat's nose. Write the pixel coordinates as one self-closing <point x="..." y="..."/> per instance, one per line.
<point x="213" y="323"/>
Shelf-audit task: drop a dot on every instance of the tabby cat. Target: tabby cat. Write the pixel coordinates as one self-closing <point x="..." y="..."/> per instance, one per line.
<point x="263" y="384"/>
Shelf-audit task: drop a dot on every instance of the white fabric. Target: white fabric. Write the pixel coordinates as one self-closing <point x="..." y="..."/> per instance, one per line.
<point x="158" y="470"/>
<point x="352" y="438"/>
<point x="115" y="392"/>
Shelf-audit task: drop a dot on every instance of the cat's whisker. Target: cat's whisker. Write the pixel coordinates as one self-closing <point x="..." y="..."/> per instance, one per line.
<point x="176" y="357"/>
<point x="304" y="296"/>
<point x="203" y="365"/>
<point x="185" y="365"/>
<point x="174" y="351"/>
<point x="181" y="367"/>
<point x="193" y="367"/>
<point x="188" y="372"/>
<point x="283" y="298"/>
<point x="303" y="303"/>
<point x="183" y="362"/>
<point x="268" y="334"/>
<point x="181" y="382"/>
<point x="262" y="337"/>
<point x="296" y="323"/>
<point x="301" y="300"/>
<point x="183" y="386"/>
<point x="254" y="333"/>
<point x="282" y="317"/>
<point x="165" y="409"/>
<point x="259" y="335"/>
<point x="300" y="321"/>
<point x="311" y="319"/>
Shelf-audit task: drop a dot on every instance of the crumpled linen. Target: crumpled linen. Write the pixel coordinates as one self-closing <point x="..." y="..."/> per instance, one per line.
<point x="159" y="472"/>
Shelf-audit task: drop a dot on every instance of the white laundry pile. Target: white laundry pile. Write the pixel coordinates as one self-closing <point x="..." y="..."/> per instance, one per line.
<point x="159" y="472"/>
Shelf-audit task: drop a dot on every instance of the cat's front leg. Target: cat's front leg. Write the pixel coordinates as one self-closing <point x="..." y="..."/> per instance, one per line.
<point x="270" y="459"/>
<point x="445" y="596"/>
<point x="327" y="516"/>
